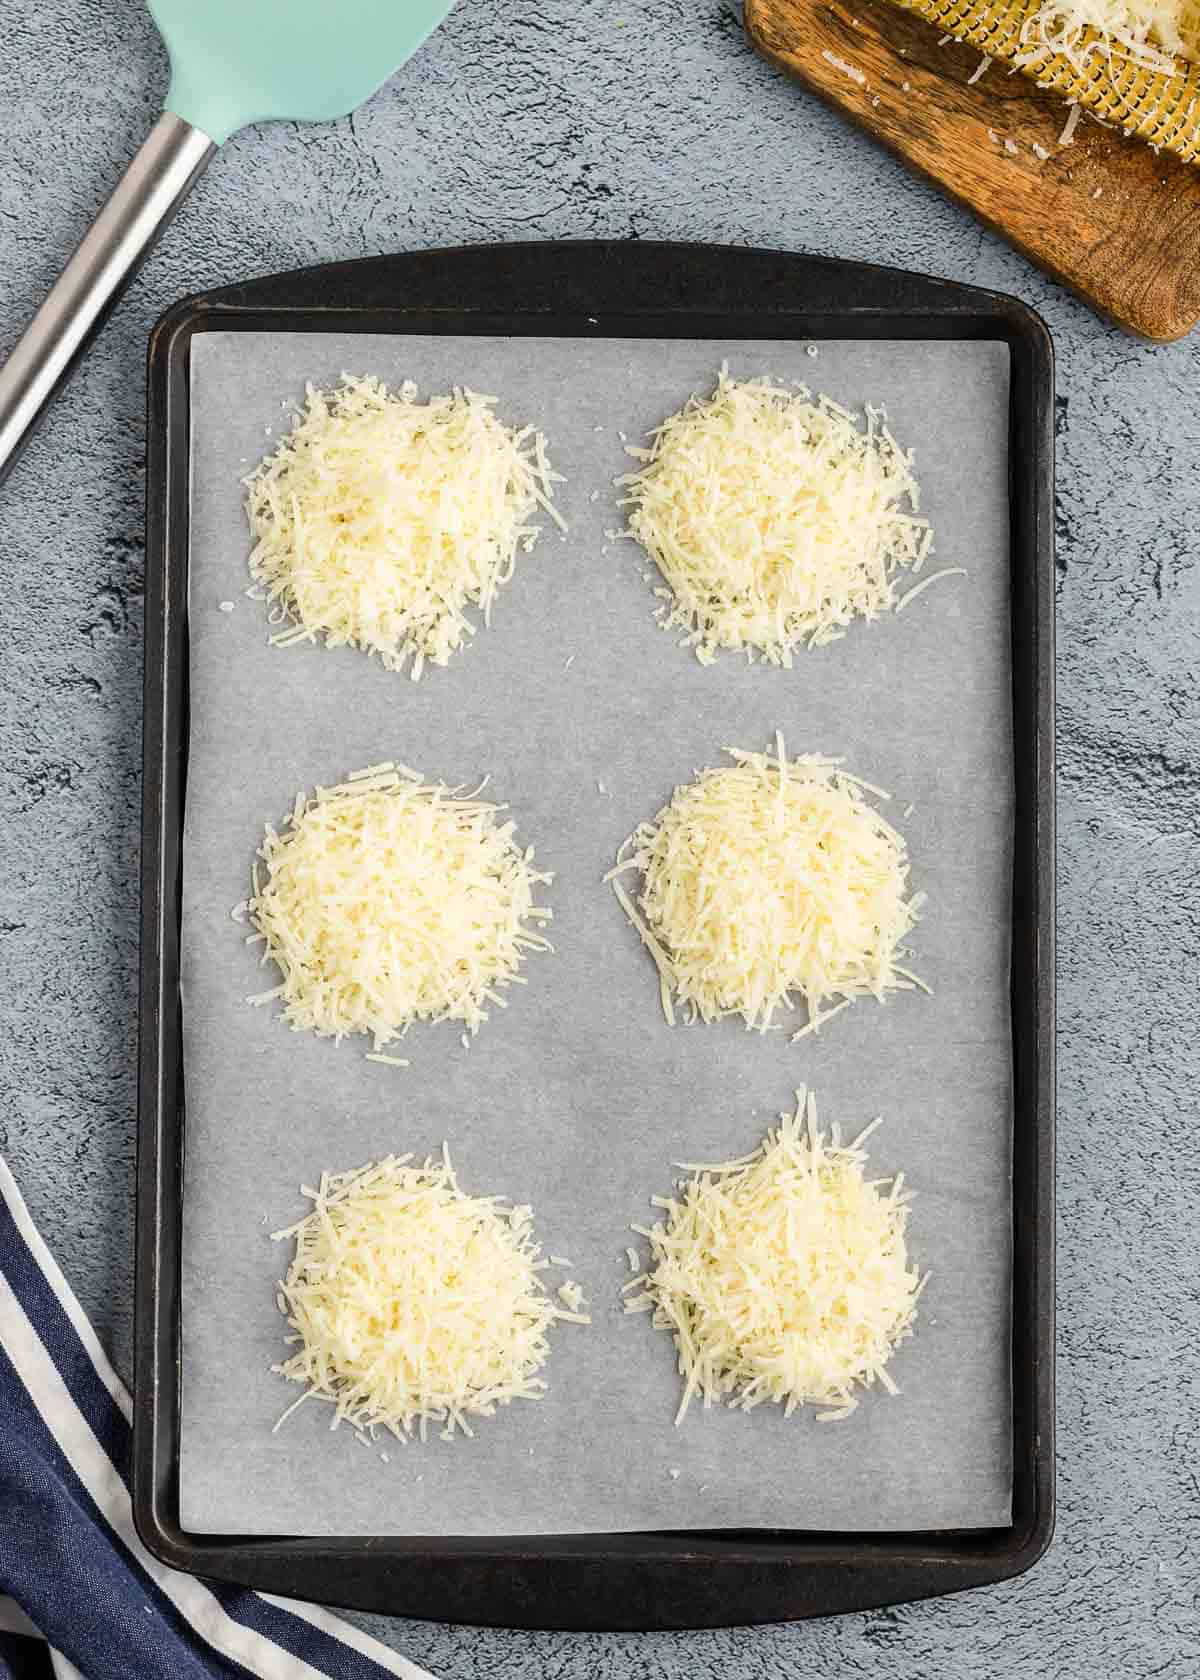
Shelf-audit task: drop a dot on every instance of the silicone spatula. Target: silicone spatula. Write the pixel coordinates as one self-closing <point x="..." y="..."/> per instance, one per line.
<point x="233" y="62"/>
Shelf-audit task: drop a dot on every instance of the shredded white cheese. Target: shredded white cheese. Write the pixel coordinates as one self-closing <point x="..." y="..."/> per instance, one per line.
<point x="768" y="883"/>
<point x="851" y="70"/>
<point x="774" y="518"/>
<point x="388" y="901"/>
<point x="931" y="577"/>
<point x="784" y="1276"/>
<point x="380" y="519"/>
<point x="412" y="1302"/>
<point x="1067" y="137"/>
<point x="572" y="1297"/>
<point x="1150" y="33"/>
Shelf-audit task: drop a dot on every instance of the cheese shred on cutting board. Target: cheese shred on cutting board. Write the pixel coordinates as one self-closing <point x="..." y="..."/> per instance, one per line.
<point x="380" y="519"/>
<point x="783" y="1276"/>
<point x="768" y="883"/>
<point x="412" y="1303"/>
<point x="774" y="517"/>
<point x="386" y="900"/>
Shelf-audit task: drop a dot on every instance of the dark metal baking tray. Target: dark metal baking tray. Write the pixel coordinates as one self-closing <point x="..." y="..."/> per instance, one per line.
<point x="630" y="1581"/>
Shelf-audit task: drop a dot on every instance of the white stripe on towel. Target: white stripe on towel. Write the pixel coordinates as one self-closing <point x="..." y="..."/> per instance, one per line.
<point x="58" y="1283"/>
<point x="100" y="1477"/>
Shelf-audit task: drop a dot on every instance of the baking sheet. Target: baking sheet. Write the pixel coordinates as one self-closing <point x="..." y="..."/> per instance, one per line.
<point x="578" y="1097"/>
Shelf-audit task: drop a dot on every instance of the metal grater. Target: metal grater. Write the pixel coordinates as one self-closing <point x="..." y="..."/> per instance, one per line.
<point x="1160" y="109"/>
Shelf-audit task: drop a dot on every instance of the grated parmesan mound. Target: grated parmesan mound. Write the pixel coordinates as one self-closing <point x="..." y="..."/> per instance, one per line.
<point x="769" y="883"/>
<point x="1151" y="33"/>
<point x="774" y="518"/>
<point x="783" y="1276"/>
<point x="380" y="519"/>
<point x="412" y="1303"/>
<point x="386" y="901"/>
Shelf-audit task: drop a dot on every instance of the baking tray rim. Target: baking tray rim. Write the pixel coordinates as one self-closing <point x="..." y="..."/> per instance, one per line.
<point x="641" y="1580"/>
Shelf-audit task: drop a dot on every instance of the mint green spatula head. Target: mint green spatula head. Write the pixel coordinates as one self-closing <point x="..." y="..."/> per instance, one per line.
<point x="232" y="62"/>
<point x="241" y="61"/>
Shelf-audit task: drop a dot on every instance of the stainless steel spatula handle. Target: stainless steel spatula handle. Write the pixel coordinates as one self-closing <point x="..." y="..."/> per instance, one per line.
<point x="153" y="187"/>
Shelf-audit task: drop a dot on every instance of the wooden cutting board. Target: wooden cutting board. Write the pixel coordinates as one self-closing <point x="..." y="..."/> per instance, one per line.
<point x="1104" y="215"/>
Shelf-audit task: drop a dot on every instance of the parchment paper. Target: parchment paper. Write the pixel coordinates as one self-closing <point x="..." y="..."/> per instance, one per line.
<point x="577" y="1098"/>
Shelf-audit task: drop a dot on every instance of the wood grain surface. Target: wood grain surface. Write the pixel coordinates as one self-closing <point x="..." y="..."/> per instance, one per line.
<point x="1105" y="215"/>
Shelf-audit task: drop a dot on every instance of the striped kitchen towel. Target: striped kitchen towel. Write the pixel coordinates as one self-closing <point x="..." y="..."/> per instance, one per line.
<point x="84" y="1597"/>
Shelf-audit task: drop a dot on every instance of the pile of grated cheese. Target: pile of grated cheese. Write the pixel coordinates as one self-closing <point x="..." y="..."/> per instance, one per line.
<point x="1150" y="33"/>
<point x="768" y="883"/>
<point x="412" y="1303"/>
<point x="783" y="1276"/>
<point x="774" y="518"/>
<point x="380" y="519"/>
<point x="387" y="900"/>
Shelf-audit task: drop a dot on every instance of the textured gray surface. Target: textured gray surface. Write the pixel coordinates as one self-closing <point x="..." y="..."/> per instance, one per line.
<point x="652" y="121"/>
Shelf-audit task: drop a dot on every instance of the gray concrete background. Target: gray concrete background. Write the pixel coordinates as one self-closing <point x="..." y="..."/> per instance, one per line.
<point x="650" y="120"/>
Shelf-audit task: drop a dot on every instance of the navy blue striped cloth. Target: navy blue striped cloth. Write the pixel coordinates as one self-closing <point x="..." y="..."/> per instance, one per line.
<point x="84" y="1597"/>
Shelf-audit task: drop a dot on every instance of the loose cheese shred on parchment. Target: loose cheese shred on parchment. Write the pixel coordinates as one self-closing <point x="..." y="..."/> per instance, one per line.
<point x="775" y="518"/>
<point x="387" y="900"/>
<point x="379" y="519"/>
<point x="413" y="1303"/>
<point x="767" y="884"/>
<point x="783" y="1276"/>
